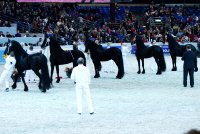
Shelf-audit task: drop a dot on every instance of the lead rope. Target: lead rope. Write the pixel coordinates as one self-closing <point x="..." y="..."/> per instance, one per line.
<point x="72" y="55"/>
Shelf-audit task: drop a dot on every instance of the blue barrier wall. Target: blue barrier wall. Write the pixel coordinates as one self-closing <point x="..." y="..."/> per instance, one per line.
<point x="1" y="55"/>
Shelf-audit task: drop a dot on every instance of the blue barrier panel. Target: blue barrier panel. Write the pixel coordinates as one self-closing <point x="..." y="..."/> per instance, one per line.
<point x="164" y="47"/>
<point x="1" y="56"/>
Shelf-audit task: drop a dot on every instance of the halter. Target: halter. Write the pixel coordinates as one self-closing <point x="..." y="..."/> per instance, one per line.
<point x="71" y="54"/>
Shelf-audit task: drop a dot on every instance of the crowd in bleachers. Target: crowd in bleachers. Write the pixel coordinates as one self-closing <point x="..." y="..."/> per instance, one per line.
<point x="71" y="22"/>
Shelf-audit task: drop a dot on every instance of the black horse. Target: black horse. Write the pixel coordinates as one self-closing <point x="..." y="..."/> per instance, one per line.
<point x="98" y="54"/>
<point x="143" y="51"/>
<point x="37" y="62"/>
<point x="177" y="50"/>
<point x="58" y="56"/>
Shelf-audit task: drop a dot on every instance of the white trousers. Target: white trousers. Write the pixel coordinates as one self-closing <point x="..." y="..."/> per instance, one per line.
<point x="6" y="77"/>
<point x="30" y="76"/>
<point x="83" y="89"/>
<point x="125" y="61"/>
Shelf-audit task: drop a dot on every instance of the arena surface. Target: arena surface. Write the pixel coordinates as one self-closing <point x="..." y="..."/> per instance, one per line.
<point x="137" y="104"/>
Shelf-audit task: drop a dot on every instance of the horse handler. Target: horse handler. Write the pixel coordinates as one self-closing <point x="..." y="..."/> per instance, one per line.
<point x="81" y="76"/>
<point x="189" y="58"/>
<point x="8" y="70"/>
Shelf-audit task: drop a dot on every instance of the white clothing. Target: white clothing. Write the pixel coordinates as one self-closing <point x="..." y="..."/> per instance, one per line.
<point x="8" y="70"/>
<point x="153" y="64"/>
<point x="82" y="78"/>
<point x="30" y="75"/>
<point x="109" y="65"/>
<point x="125" y="50"/>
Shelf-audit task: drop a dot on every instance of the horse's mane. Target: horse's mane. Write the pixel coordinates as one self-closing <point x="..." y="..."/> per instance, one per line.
<point x="139" y="42"/>
<point x="171" y="41"/>
<point x="54" y="45"/>
<point x="92" y="45"/>
<point x="17" y="48"/>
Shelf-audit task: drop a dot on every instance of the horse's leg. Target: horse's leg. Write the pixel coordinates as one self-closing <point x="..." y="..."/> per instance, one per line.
<point x="143" y="71"/>
<point x="25" y="86"/>
<point x="57" y="71"/>
<point x="120" y="65"/>
<point x="138" y="60"/>
<point x="174" y="68"/>
<point x="40" y="78"/>
<point x="158" y="65"/>
<point x="96" y="67"/>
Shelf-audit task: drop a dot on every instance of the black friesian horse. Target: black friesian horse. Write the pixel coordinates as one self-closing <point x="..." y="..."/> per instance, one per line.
<point x="36" y="62"/>
<point x="98" y="54"/>
<point x="178" y="50"/>
<point x="143" y="51"/>
<point x="58" y="56"/>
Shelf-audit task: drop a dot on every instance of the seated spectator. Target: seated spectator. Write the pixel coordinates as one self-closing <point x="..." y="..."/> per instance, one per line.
<point x="39" y="43"/>
<point x="7" y="24"/>
<point x="1" y="34"/>
<point x="1" y="23"/>
<point x="18" y="34"/>
<point x="8" y="35"/>
<point x="27" y="34"/>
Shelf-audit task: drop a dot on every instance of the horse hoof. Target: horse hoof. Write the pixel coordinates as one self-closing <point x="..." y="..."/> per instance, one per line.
<point x="143" y="72"/>
<point x="138" y="72"/>
<point x="57" y="81"/>
<point x="96" y="76"/>
<point x="158" y="73"/>
<point x="118" y="77"/>
<point x="43" y="91"/>
<point x="174" y="69"/>
<point x="26" y="90"/>
<point x="14" y="86"/>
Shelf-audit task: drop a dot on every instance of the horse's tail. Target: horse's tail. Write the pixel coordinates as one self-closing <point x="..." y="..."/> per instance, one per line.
<point x="162" y="61"/>
<point x="45" y="73"/>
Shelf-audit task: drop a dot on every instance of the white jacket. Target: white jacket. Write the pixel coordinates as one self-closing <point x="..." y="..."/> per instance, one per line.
<point x="81" y="74"/>
<point x="125" y="50"/>
<point x="10" y="63"/>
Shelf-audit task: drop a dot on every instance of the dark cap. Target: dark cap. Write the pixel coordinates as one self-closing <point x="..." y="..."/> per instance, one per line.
<point x="80" y="60"/>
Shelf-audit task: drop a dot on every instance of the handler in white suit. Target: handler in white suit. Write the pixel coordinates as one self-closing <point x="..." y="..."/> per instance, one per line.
<point x="125" y="50"/>
<point x="82" y="78"/>
<point x="8" y="70"/>
<point x="30" y="75"/>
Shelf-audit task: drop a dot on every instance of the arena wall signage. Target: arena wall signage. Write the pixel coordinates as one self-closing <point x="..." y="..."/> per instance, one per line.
<point x="68" y="1"/>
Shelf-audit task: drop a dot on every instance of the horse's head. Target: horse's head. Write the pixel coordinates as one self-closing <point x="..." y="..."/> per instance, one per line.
<point x="88" y="45"/>
<point x="139" y="42"/>
<point x="14" y="46"/>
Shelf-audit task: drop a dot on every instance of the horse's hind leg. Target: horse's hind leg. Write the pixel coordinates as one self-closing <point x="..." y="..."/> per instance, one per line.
<point x="143" y="72"/>
<point x="40" y="79"/>
<point x="57" y="71"/>
<point x="174" y="68"/>
<point x="138" y="60"/>
<point x="97" y="68"/>
<point x="158" y="65"/>
<point x="120" y="66"/>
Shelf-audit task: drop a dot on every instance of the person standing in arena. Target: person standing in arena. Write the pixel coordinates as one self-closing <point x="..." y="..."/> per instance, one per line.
<point x="125" y="50"/>
<point x="81" y="76"/>
<point x="30" y="75"/>
<point x="190" y="59"/>
<point x="8" y="70"/>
